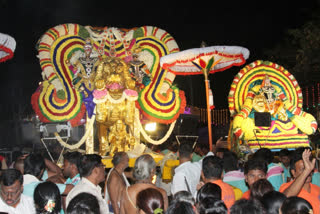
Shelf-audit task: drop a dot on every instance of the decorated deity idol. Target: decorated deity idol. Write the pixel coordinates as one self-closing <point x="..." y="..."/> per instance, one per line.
<point x="118" y="137"/>
<point x="83" y="65"/>
<point x="265" y="101"/>
<point x="139" y="71"/>
<point x="115" y="102"/>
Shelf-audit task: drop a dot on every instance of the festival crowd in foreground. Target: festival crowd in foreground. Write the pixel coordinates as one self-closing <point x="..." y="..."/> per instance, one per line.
<point x="205" y="182"/>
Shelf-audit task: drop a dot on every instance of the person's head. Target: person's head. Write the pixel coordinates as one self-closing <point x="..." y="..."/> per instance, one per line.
<point x="230" y="161"/>
<point x="201" y="148"/>
<point x="259" y="188"/>
<point x="184" y="196"/>
<point x="19" y="165"/>
<point x="120" y="159"/>
<point x="284" y="156"/>
<point x="255" y="170"/>
<point x="296" y="205"/>
<point x="91" y="166"/>
<point x="144" y="167"/>
<point x="212" y="168"/>
<point x="181" y="207"/>
<point x="272" y="201"/>
<point x="212" y="205"/>
<point x="34" y="165"/>
<point x="264" y="154"/>
<point x="204" y="148"/>
<point x="71" y="164"/>
<point x="185" y="151"/>
<point x="297" y="165"/>
<point x="244" y="206"/>
<point x="208" y="190"/>
<point x="220" y="152"/>
<point x="47" y="198"/>
<point x="16" y="155"/>
<point x="173" y="146"/>
<point x="11" y="186"/>
<point x="150" y="201"/>
<point x="83" y="203"/>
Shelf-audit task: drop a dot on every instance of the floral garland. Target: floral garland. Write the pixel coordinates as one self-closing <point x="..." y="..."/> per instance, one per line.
<point x="148" y="138"/>
<point x="83" y="139"/>
<point x="103" y="95"/>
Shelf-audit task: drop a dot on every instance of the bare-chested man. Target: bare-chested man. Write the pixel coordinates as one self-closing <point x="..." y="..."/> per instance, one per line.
<point x="143" y="172"/>
<point x="116" y="181"/>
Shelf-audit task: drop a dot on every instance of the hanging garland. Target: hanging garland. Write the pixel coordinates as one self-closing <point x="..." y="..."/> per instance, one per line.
<point x="83" y="139"/>
<point x="148" y="138"/>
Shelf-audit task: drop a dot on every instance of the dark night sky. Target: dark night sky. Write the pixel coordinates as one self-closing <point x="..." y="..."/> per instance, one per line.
<point x="256" y="25"/>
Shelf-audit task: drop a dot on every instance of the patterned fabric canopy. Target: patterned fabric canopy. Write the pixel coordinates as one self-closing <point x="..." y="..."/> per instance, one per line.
<point x="185" y="62"/>
<point x="7" y="47"/>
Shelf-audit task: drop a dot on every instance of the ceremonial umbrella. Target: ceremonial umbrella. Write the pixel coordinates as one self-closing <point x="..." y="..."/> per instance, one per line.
<point x="7" y="47"/>
<point x="205" y="60"/>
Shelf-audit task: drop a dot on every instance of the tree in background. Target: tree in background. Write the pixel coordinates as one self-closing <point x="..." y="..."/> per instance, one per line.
<point x="300" y="51"/>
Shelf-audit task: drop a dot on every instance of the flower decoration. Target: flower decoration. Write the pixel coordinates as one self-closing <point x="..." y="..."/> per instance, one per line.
<point x="50" y="205"/>
<point x="99" y="94"/>
<point x="158" y="211"/>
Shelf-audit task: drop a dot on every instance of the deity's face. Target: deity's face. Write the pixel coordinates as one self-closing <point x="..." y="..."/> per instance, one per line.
<point x="87" y="51"/>
<point x="119" y="125"/>
<point x="259" y="102"/>
<point x="268" y="92"/>
<point x="135" y="57"/>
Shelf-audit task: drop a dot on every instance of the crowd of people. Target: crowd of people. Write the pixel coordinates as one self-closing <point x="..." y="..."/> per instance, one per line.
<point x="218" y="182"/>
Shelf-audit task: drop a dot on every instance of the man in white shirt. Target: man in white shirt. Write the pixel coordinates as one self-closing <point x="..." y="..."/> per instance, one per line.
<point x="187" y="174"/>
<point x="92" y="172"/>
<point x="34" y="166"/>
<point x="12" y="200"/>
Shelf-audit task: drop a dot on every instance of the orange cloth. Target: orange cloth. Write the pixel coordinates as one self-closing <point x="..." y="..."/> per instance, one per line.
<point x="313" y="197"/>
<point x="227" y="193"/>
<point x="246" y="195"/>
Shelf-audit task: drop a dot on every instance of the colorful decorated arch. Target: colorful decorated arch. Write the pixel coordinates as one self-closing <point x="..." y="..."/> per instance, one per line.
<point x="253" y="74"/>
<point x="56" y="100"/>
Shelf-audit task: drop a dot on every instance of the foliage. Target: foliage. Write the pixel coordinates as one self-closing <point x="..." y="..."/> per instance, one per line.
<point x="300" y="50"/>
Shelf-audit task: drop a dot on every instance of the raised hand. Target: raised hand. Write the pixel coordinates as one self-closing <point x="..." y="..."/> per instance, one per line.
<point x="308" y="165"/>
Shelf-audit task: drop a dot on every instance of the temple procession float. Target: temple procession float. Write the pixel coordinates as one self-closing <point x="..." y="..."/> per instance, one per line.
<point x="265" y="101"/>
<point x="112" y="80"/>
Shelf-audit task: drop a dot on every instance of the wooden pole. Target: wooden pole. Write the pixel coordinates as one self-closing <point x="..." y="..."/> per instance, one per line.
<point x="205" y="72"/>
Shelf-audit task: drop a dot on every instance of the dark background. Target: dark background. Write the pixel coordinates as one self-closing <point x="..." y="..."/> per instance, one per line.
<point x="256" y="25"/>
